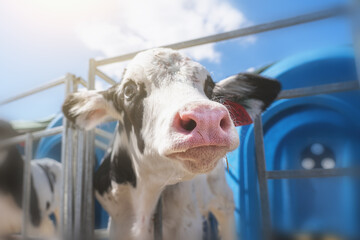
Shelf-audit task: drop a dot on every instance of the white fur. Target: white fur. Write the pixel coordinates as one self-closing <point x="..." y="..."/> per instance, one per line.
<point x="184" y="205"/>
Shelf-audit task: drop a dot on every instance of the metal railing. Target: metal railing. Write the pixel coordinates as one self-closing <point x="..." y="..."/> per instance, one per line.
<point x="77" y="216"/>
<point x="76" y="158"/>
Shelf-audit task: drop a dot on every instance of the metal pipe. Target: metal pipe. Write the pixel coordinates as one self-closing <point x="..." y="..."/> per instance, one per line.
<point x="305" y="18"/>
<point x="77" y="173"/>
<point x="82" y="81"/>
<point x="47" y="132"/>
<point x="320" y="89"/>
<point x="64" y="217"/>
<point x="63" y="207"/>
<point x="69" y="179"/>
<point x="26" y="192"/>
<point x="104" y="134"/>
<point x="46" y="86"/>
<point x="261" y="173"/>
<point x="313" y="173"/>
<point x="105" y="77"/>
<point x="79" y="197"/>
<point x="88" y="204"/>
<point x="36" y="135"/>
<point x="101" y="145"/>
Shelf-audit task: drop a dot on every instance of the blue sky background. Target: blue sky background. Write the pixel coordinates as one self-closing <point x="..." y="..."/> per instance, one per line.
<point x="40" y="42"/>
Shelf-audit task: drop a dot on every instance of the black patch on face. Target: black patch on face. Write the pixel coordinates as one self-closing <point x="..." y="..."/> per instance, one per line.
<point x="209" y="87"/>
<point x="121" y="168"/>
<point x="47" y="205"/>
<point x="133" y="114"/>
<point x="251" y="86"/>
<point x="117" y="168"/>
<point x="102" y="180"/>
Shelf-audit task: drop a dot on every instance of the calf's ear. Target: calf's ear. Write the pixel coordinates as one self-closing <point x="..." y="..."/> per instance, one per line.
<point x="251" y="91"/>
<point x="89" y="108"/>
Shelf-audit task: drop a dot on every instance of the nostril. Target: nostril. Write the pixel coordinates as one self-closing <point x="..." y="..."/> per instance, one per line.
<point x="224" y="123"/>
<point x="188" y="125"/>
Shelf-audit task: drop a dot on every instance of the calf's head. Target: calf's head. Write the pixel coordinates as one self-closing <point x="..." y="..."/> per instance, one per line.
<point x="170" y="111"/>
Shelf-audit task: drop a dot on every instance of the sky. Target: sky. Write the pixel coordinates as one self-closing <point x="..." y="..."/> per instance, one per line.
<point x="41" y="40"/>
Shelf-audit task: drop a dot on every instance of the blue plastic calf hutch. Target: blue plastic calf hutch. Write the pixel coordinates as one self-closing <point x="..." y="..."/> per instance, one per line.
<point x="321" y="131"/>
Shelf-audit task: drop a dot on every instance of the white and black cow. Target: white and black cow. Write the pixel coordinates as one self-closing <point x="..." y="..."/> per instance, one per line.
<point x="173" y="130"/>
<point x="45" y="190"/>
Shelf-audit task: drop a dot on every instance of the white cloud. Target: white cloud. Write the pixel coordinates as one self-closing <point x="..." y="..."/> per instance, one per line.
<point x="141" y="24"/>
<point x="251" y="69"/>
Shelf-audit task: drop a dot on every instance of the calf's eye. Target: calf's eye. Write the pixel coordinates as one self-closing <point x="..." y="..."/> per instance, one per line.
<point x="129" y="90"/>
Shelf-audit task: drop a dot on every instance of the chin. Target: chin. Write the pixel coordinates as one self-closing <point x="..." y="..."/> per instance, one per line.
<point x="200" y="160"/>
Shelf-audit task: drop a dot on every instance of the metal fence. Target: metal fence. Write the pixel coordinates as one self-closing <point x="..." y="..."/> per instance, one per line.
<point x="77" y="215"/>
<point x="77" y="158"/>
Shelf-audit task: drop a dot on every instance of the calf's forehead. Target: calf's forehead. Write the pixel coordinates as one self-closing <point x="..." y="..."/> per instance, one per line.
<point x="161" y="67"/>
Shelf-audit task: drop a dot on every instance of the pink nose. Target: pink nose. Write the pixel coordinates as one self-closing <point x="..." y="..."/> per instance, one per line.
<point x="206" y="123"/>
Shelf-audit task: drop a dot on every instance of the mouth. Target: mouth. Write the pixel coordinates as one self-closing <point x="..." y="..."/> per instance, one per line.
<point x="200" y="159"/>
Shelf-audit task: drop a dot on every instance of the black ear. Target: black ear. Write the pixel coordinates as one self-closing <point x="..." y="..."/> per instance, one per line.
<point x="254" y="92"/>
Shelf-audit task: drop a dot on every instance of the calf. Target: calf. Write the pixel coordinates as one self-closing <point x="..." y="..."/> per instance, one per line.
<point x="173" y="128"/>
<point x="45" y="190"/>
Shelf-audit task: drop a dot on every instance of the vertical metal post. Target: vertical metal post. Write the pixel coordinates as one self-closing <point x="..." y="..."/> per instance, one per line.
<point x="88" y="210"/>
<point x="78" y="158"/>
<point x="63" y="202"/>
<point x="69" y="179"/>
<point x="26" y="185"/>
<point x="261" y="172"/>
<point x="88" y="203"/>
<point x="158" y="221"/>
<point x="72" y="171"/>
<point x="79" y="197"/>
<point x="64" y="208"/>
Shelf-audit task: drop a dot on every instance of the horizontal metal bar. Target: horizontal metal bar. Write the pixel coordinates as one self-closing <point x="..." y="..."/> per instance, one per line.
<point x="82" y="81"/>
<point x="104" y="134"/>
<point x="35" y="135"/>
<point x="320" y="89"/>
<point x="47" y="132"/>
<point x="101" y="233"/>
<point x="101" y="145"/>
<point x="46" y="86"/>
<point x="105" y="77"/>
<point x="314" y="173"/>
<point x="238" y="33"/>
